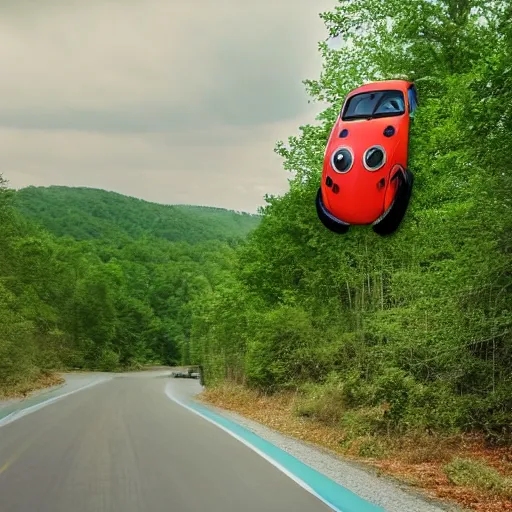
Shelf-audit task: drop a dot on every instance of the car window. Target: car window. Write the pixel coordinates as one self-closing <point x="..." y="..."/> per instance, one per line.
<point x="413" y="99"/>
<point x="392" y="102"/>
<point x="374" y="104"/>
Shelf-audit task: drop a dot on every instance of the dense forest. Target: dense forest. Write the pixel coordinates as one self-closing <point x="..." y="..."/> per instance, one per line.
<point x="401" y="333"/>
<point x="391" y="334"/>
<point x="108" y="284"/>
<point x="85" y="213"/>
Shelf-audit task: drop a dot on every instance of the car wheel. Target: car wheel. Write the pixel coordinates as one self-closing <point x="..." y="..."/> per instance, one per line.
<point x="328" y="220"/>
<point x="390" y="223"/>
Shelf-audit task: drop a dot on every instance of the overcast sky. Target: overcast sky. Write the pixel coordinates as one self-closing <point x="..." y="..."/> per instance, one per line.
<point x="173" y="101"/>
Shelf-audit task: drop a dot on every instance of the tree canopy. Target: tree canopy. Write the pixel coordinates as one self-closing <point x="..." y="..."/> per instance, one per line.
<point x="109" y="287"/>
<point x="415" y="327"/>
<point x="87" y="213"/>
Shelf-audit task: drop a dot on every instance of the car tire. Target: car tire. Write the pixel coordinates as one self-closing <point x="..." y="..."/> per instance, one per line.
<point x="327" y="219"/>
<point x="390" y="223"/>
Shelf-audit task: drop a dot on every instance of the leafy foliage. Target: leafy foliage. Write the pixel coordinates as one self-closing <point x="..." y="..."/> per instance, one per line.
<point x="85" y="213"/>
<point x="477" y="474"/>
<point x="118" y="299"/>
<point x="415" y="328"/>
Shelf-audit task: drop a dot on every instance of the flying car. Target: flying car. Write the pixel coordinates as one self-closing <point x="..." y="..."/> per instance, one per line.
<point x="365" y="179"/>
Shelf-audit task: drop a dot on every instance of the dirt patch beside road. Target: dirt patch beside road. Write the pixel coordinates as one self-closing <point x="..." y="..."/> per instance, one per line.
<point x="24" y="389"/>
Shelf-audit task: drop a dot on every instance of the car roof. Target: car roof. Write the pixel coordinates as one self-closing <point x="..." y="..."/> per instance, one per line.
<point x="383" y="85"/>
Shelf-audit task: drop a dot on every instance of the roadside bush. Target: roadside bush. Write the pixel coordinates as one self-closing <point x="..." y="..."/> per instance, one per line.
<point x="324" y="402"/>
<point x="280" y="353"/>
<point x="365" y="421"/>
<point x="372" y="448"/>
<point x="109" y="360"/>
<point x="392" y="403"/>
<point x="18" y="350"/>
<point x="493" y="414"/>
<point x="478" y="475"/>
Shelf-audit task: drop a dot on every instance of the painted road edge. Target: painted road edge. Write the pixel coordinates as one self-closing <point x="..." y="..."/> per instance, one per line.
<point x="20" y="413"/>
<point x="334" y="495"/>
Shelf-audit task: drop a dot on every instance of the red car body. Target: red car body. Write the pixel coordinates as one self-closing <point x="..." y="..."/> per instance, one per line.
<point x="365" y="178"/>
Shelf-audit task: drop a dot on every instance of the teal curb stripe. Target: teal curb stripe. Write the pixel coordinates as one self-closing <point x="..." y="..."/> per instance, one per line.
<point x="28" y="402"/>
<point x="19" y="409"/>
<point x="330" y="491"/>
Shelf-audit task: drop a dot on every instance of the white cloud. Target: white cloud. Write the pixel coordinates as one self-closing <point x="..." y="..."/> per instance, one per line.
<point x="138" y="96"/>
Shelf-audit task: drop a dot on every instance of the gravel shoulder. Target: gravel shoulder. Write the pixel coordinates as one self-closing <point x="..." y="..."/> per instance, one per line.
<point x="384" y="491"/>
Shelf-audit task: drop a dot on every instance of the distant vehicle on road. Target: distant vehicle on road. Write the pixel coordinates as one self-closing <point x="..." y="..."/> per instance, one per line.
<point x="179" y="375"/>
<point x="189" y="374"/>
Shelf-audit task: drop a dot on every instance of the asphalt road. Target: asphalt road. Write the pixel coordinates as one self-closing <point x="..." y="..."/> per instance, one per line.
<point x="124" y="446"/>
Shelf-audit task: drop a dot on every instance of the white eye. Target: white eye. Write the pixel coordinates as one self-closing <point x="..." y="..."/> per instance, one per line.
<point x="342" y="160"/>
<point x="374" y="158"/>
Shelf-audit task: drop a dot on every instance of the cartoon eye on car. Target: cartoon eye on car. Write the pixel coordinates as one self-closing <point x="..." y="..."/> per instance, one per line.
<point x="365" y="179"/>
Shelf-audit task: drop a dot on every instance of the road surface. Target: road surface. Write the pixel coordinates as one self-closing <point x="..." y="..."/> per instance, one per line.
<point x="124" y="446"/>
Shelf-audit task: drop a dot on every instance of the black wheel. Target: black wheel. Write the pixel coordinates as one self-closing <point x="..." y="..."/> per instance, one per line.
<point x="390" y="223"/>
<point x="329" y="221"/>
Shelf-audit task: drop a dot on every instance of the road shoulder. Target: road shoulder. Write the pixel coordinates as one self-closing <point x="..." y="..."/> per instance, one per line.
<point x="12" y="409"/>
<point x="366" y="483"/>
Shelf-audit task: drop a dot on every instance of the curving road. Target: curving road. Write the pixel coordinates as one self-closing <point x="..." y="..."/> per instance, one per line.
<point x="124" y="446"/>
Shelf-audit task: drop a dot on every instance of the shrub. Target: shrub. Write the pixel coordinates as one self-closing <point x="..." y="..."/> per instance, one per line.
<point x="476" y="474"/>
<point x="109" y="360"/>
<point x="324" y="402"/>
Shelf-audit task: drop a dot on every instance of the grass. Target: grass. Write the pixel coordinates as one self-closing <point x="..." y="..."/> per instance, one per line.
<point x="426" y="461"/>
<point x="480" y="476"/>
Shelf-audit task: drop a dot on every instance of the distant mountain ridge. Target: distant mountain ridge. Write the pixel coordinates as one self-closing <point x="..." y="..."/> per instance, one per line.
<point x="89" y="213"/>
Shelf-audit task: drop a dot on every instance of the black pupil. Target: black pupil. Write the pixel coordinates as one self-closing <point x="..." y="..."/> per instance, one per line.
<point x="342" y="160"/>
<point x="374" y="158"/>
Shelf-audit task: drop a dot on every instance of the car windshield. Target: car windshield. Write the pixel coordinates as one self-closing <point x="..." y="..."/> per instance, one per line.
<point x="374" y="104"/>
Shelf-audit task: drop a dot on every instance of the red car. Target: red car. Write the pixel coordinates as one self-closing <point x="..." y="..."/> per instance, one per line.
<point x="365" y="179"/>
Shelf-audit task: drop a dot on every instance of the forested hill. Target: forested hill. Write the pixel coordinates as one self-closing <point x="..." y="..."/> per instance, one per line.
<point x="87" y="213"/>
<point x="116" y="292"/>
